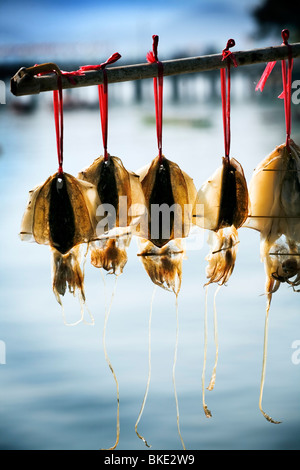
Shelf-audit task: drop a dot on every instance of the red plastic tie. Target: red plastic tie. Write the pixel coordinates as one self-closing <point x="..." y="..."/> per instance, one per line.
<point x="286" y="70"/>
<point x="226" y="53"/>
<point x="58" y="119"/>
<point x="225" y="94"/>
<point x="261" y="84"/>
<point x="58" y="114"/>
<point x="103" y="96"/>
<point x="158" y="92"/>
<point x="113" y="58"/>
<point x="70" y="75"/>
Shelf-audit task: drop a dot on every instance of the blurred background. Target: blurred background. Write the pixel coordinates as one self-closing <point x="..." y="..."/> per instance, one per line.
<point x="56" y="390"/>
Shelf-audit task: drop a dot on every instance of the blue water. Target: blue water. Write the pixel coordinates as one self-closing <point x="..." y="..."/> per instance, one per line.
<point x="56" y="390"/>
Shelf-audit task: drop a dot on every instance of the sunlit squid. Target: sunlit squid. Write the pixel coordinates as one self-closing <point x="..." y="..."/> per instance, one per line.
<point x="221" y="207"/>
<point x="169" y="195"/>
<point x="61" y="213"/>
<point x="275" y="212"/>
<point x="121" y="204"/>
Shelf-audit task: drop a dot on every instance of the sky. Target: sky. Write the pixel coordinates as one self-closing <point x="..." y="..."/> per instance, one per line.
<point x="127" y="26"/>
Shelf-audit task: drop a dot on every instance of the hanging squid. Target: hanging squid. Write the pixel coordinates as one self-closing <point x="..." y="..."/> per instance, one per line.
<point x="275" y="212"/>
<point x="223" y="198"/>
<point x="169" y="195"/>
<point x="275" y="206"/>
<point x="60" y="213"/>
<point x="221" y="207"/>
<point x="169" y="198"/>
<point x="121" y="205"/>
<point x="120" y="194"/>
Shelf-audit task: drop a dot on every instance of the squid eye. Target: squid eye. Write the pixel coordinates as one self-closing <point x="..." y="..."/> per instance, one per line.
<point x="289" y="266"/>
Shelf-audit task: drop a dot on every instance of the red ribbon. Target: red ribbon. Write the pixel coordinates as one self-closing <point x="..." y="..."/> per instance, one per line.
<point x="286" y="70"/>
<point x="58" y="115"/>
<point x="58" y="110"/>
<point x="69" y="75"/>
<point x="113" y="58"/>
<point x="158" y="92"/>
<point x="103" y="96"/>
<point x="225" y="94"/>
<point x="58" y="119"/>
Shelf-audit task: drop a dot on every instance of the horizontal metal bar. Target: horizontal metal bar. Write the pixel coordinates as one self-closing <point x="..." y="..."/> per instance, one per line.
<point x="25" y="83"/>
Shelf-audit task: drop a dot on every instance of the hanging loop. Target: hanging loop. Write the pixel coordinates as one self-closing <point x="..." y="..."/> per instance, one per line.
<point x="225" y="93"/>
<point x="46" y="68"/>
<point x="103" y="96"/>
<point x="43" y="69"/>
<point x="59" y="124"/>
<point x="286" y="71"/>
<point x="227" y="54"/>
<point x="158" y="92"/>
<point x="285" y="34"/>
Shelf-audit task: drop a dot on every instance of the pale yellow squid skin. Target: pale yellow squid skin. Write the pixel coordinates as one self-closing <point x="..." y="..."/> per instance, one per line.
<point x="36" y="226"/>
<point x="162" y="257"/>
<point x="108" y="251"/>
<point x="275" y="212"/>
<point x="223" y="237"/>
<point x="221" y="207"/>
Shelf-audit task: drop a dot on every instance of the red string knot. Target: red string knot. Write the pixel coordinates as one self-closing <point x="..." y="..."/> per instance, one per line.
<point x="227" y="54"/>
<point x="113" y="58"/>
<point x="285" y="34"/>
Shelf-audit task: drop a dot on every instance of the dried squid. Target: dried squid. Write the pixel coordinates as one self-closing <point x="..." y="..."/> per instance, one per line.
<point x="60" y="213"/>
<point x="223" y="204"/>
<point x="275" y="212"/>
<point x="221" y="207"/>
<point x="163" y="265"/>
<point x="121" y="204"/>
<point x="169" y="195"/>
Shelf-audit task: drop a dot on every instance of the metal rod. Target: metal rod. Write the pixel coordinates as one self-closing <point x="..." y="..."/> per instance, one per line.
<point x="25" y="83"/>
